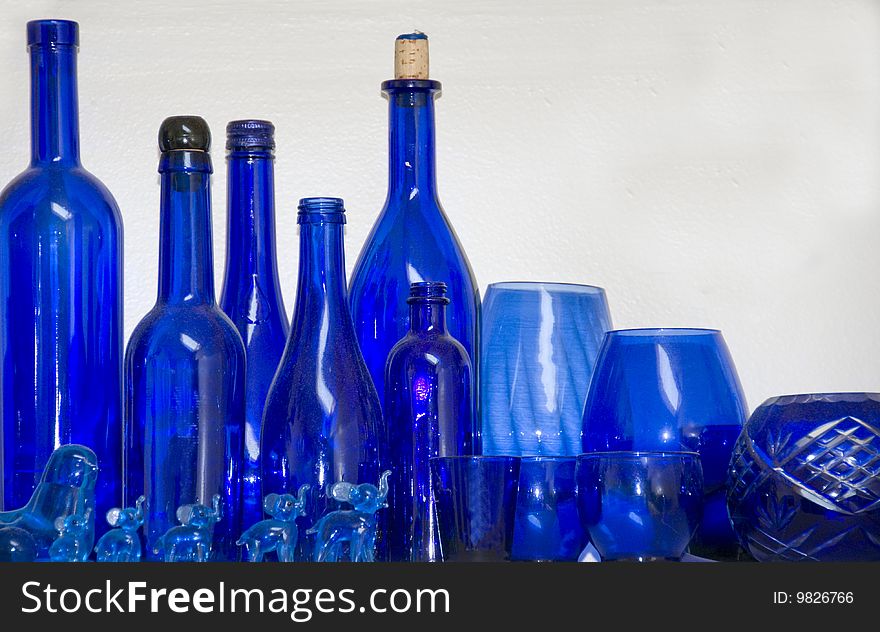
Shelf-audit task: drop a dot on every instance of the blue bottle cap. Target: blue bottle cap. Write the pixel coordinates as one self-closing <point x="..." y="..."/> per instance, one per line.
<point x="415" y="35"/>
<point x="250" y="134"/>
<point x="52" y="32"/>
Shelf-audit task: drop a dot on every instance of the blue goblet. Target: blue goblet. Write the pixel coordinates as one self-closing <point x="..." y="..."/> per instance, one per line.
<point x="539" y="346"/>
<point x="547" y="526"/>
<point x="640" y="506"/>
<point x="671" y="389"/>
<point x="475" y="500"/>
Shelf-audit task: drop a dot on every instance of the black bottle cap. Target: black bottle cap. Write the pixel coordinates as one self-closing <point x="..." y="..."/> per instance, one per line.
<point x="184" y="132"/>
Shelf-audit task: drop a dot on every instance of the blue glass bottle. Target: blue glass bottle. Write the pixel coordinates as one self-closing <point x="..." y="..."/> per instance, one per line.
<point x="429" y="413"/>
<point x="322" y="420"/>
<point x="251" y="294"/>
<point x="412" y="241"/>
<point x="60" y="291"/>
<point x="185" y="361"/>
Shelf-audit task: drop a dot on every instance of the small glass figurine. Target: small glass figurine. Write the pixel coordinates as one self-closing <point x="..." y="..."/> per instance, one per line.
<point x="355" y="526"/>
<point x="278" y="533"/>
<point x="71" y="545"/>
<point x="191" y="540"/>
<point x="122" y="544"/>
<point x="17" y="545"/>
<point x="67" y="488"/>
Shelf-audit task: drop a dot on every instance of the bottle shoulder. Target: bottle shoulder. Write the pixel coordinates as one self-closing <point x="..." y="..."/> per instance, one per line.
<point x="187" y="330"/>
<point x="59" y="193"/>
<point x="430" y="349"/>
<point x="253" y="304"/>
<point x="409" y="244"/>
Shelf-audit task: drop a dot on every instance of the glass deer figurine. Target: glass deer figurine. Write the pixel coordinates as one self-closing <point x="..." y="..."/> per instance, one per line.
<point x="356" y="527"/>
<point x="278" y="534"/>
<point x="122" y="543"/>
<point x="192" y="539"/>
<point x="66" y="488"/>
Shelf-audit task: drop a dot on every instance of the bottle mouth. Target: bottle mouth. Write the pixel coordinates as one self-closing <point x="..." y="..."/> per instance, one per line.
<point x="433" y="291"/>
<point x="316" y="210"/>
<point x="52" y="33"/>
<point x="392" y="86"/>
<point x="250" y="135"/>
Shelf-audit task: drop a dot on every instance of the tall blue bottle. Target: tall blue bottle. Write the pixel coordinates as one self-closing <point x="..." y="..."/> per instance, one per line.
<point x="185" y="361"/>
<point x="412" y="241"/>
<point x="429" y="412"/>
<point x="251" y="295"/>
<point x="60" y="291"/>
<point x="322" y="422"/>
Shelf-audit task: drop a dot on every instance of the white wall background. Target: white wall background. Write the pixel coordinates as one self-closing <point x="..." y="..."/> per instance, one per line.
<point x="709" y="162"/>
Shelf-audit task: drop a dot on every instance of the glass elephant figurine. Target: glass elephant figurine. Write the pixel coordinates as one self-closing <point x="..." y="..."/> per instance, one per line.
<point x="357" y="526"/>
<point x="122" y="544"/>
<point x="278" y="533"/>
<point x="67" y="488"/>
<point x="71" y="545"/>
<point x="191" y="540"/>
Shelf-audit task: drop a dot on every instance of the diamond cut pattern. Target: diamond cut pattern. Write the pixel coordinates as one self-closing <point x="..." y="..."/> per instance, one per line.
<point x="840" y="461"/>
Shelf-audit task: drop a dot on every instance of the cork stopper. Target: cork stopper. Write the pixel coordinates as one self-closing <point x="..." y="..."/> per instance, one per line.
<point x="411" y="56"/>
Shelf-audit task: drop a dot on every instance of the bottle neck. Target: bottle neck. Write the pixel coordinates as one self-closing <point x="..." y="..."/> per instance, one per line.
<point x="321" y="268"/>
<point x="250" y="253"/>
<point x="186" y="261"/>
<point x="54" y="107"/>
<point x="411" y="168"/>
<point x="427" y="316"/>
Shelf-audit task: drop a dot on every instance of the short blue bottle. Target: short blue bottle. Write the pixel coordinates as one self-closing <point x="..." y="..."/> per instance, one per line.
<point x="322" y="422"/>
<point x="429" y="413"/>
<point x="185" y="362"/>
<point x="413" y="240"/>
<point x="251" y="295"/>
<point x="60" y="291"/>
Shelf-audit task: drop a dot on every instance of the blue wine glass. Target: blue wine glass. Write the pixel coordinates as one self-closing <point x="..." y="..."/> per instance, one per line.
<point x="539" y="347"/>
<point x="671" y="389"/>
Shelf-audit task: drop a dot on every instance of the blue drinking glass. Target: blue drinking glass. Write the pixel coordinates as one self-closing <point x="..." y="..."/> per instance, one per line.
<point x="475" y="499"/>
<point x="412" y="240"/>
<point x="60" y="291"/>
<point x="671" y="389"/>
<point x="251" y="294"/>
<point x="547" y="525"/>
<point x="805" y="479"/>
<point x="429" y="386"/>
<point x="185" y="363"/>
<point x="322" y="423"/>
<point x="539" y="347"/>
<point x="640" y="506"/>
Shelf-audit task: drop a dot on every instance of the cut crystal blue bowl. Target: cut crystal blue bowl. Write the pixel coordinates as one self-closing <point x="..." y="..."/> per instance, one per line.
<point x="805" y="479"/>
